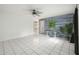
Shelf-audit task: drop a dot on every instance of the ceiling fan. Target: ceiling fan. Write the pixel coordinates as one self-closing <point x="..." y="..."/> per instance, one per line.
<point x="33" y="11"/>
<point x="36" y="12"/>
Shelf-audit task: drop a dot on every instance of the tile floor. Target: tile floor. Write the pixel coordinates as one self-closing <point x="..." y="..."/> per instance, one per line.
<point x="37" y="45"/>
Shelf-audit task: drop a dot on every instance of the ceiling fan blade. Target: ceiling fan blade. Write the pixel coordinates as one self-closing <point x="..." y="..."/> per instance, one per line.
<point x="29" y="10"/>
<point x="39" y="12"/>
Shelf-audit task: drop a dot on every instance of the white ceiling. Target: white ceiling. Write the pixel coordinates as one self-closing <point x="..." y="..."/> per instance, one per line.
<point x="46" y="9"/>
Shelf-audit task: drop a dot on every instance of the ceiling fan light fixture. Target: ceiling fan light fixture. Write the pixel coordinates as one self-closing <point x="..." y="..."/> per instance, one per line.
<point x="35" y="12"/>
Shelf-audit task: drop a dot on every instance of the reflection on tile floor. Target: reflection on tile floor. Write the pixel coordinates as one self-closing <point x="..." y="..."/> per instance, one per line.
<point x="37" y="45"/>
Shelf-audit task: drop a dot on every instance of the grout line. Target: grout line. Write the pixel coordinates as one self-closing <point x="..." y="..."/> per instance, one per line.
<point x="3" y="48"/>
<point x="61" y="48"/>
<point x="52" y="49"/>
<point x="21" y="48"/>
<point x="14" y="48"/>
<point x="11" y="47"/>
<point x="31" y="49"/>
<point x="17" y="42"/>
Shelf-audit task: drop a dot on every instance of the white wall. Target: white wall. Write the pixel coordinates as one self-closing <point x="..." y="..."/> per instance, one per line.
<point x="13" y="24"/>
<point x="17" y="21"/>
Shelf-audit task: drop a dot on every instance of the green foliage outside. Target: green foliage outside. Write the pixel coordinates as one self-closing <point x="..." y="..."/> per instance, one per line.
<point x="52" y="23"/>
<point x="67" y="29"/>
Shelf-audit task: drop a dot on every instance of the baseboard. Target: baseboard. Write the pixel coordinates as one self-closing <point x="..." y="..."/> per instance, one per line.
<point x="18" y="37"/>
